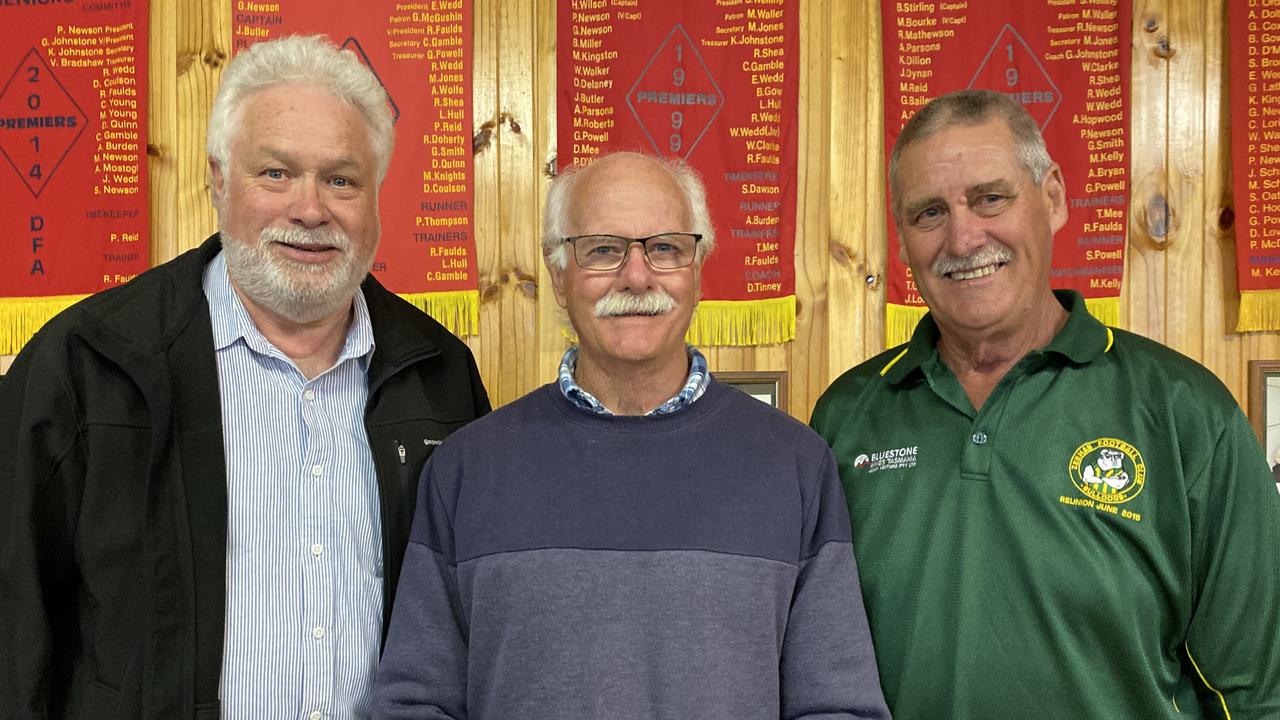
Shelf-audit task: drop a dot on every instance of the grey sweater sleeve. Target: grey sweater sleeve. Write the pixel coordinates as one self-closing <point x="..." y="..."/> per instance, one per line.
<point x="828" y="667"/>
<point x="423" y="672"/>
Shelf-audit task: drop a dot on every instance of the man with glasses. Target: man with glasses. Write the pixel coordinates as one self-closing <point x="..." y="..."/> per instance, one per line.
<point x="635" y="540"/>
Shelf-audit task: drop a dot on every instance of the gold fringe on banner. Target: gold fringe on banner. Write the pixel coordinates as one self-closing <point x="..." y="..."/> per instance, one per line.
<point x="21" y="317"/>
<point x="1106" y="310"/>
<point x="900" y="321"/>
<point x="743" y="322"/>
<point x="1259" y="310"/>
<point x="458" y="310"/>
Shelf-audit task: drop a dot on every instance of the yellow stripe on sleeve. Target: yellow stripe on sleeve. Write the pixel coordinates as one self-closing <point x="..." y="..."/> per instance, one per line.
<point x="1111" y="339"/>
<point x="1206" y="681"/>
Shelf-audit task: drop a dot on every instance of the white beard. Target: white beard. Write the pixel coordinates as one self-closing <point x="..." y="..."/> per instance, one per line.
<point x="300" y="292"/>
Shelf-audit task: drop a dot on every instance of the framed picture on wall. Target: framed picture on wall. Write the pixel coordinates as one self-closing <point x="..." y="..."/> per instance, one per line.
<point x="766" y="386"/>
<point x="1264" y="409"/>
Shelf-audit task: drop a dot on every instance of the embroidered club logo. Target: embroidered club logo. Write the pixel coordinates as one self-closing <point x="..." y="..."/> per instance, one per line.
<point x="903" y="457"/>
<point x="1108" y="470"/>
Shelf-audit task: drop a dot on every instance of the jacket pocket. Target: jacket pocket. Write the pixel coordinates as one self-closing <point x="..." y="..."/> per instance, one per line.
<point x="92" y="700"/>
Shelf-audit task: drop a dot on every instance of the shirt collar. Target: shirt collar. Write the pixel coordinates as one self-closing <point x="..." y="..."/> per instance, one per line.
<point x="231" y="321"/>
<point x="1080" y="340"/>
<point x="694" y="386"/>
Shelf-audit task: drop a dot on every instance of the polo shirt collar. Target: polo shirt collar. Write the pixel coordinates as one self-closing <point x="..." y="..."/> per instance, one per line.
<point x="1083" y="338"/>
<point x="1080" y="340"/>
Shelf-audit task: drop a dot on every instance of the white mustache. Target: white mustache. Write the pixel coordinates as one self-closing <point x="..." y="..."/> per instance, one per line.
<point x="615" y="304"/>
<point x="985" y="255"/>
<point x="302" y="237"/>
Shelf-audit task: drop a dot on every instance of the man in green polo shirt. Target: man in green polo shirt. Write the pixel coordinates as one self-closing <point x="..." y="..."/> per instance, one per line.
<point x="1052" y="518"/>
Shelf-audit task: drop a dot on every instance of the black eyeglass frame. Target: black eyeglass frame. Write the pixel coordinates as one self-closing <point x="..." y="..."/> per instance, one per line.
<point x="644" y="246"/>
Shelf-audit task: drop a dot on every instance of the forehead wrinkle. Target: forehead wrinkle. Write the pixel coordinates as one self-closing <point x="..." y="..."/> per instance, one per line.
<point x="288" y="157"/>
<point x="626" y="178"/>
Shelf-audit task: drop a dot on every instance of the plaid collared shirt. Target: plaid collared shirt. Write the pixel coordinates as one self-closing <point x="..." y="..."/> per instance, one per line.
<point x="692" y="390"/>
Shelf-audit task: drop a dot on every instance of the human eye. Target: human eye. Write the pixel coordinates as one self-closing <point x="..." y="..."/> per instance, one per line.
<point x="602" y="245"/>
<point x="991" y="202"/>
<point x="673" y="244"/>
<point x="274" y="173"/>
<point x="928" y="217"/>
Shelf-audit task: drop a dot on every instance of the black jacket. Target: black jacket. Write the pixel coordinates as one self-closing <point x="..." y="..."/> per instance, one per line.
<point x="113" y="499"/>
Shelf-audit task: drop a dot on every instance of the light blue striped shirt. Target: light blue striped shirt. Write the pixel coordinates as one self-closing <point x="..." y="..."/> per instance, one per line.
<point x="304" y="534"/>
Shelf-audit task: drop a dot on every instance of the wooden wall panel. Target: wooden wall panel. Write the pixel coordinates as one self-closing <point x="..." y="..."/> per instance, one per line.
<point x="1143" y="285"/>
<point x="1220" y="350"/>
<point x="551" y="320"/>
<point x="1179" y="285"/>
<point x="519" y="191"/>
<point x="202" y="46"/>
<point x="487" y="203"/>
<point x="1184" y="178"/>
<point x="855" y="297"/>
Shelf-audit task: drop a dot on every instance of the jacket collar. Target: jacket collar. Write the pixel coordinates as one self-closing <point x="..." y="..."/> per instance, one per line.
<point x="153" y="328"/>
<point x="130" y="316"/>
<point x="398" y="343"/>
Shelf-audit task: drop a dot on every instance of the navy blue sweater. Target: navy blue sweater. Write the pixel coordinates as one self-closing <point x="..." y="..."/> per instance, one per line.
<point x="570" y="565"/>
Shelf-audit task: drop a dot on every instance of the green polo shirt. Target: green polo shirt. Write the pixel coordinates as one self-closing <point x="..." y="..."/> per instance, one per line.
<point x="1100" y="540"/>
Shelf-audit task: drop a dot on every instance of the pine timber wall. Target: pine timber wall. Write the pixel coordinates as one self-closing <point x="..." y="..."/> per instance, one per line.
<point x="1179" y="283"/>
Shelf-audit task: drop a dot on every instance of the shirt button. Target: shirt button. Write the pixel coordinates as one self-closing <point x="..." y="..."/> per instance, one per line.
<point x="979" y="438"/>
<point x="317" y="549"/>
<point x="317" y="470"/>
<point x="310" y="395"/>
<point x="317" y="633"/>
<point x="315" y="714"/>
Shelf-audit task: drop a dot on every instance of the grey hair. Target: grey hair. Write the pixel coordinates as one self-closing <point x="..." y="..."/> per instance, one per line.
<point x="972" y="107"/>
<point x="299" y="60"/>
<point x="560" y="197"/>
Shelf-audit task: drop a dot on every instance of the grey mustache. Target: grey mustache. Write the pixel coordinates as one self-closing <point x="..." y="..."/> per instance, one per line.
<point x="654" y="302"/>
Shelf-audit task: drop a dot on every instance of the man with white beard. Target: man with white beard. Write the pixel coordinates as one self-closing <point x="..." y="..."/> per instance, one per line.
<point x="635" y="540"/>
<point x="210" y="472"/>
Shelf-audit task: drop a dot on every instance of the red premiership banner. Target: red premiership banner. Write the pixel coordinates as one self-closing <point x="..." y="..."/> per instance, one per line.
<point x="1067" y="62"/>
<point x="1254" y="26"/>
<point x="714" y="84"/>
<point x="73" y="156"/>
<point x="421" y="52"/>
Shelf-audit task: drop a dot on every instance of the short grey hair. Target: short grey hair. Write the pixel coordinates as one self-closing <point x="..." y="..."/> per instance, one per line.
<point x="299" y="60"/>
<point x="972" y="107"/>
<point x="560" y="196"/>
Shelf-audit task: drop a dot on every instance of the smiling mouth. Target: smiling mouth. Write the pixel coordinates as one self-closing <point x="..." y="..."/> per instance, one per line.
<point x="309" y="248"/>
<point x="974" y="273"/>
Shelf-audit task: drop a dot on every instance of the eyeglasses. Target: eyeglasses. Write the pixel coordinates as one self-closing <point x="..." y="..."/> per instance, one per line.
<point x="668" y="251"/>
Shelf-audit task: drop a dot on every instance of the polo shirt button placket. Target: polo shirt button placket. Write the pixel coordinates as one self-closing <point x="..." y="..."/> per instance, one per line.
<point x="975" y="459"/>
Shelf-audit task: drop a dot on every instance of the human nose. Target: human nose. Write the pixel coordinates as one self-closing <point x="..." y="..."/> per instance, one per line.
<point x="635" y="271"/>
<point x="965" y="233"/>
<point x="308" y="208"/>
